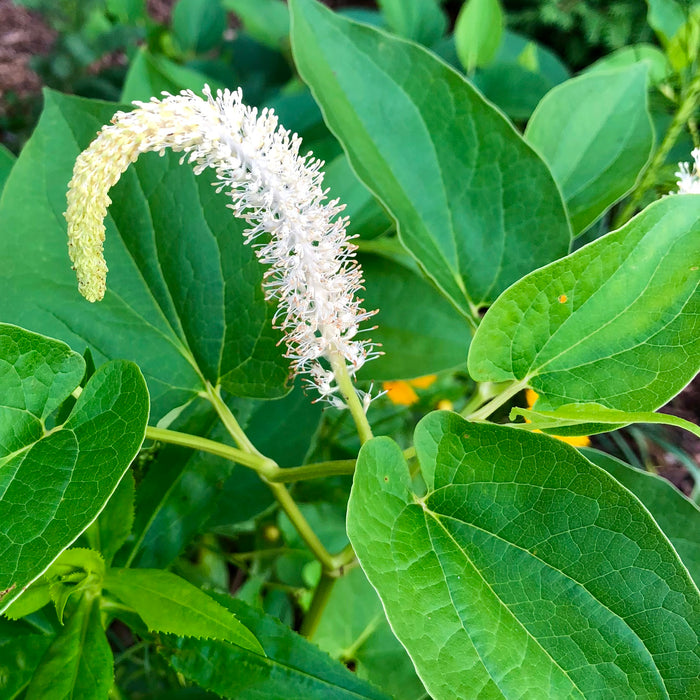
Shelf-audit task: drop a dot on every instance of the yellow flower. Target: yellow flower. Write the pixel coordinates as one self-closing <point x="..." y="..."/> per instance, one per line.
<point x="402" y="393"/>
<point x="575" y="440"/>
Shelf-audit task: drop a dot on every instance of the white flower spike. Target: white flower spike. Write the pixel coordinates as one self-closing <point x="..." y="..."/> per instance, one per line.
<point x="689" y="175"/>
<point x="312" y="271"/>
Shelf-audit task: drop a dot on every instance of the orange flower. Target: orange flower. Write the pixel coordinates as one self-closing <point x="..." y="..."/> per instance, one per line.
<point x="575" y="440"/>
<point x="402" y="393"/>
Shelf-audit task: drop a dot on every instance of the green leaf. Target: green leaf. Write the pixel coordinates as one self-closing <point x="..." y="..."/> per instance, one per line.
<point x="54" y="483"/>
<point x="478" y="32"/>
<point x="367" y="218"/>
<point x="665" y="17"/>
<point x="127" y="11"/>
<point x="184" y="296"/>
<point x="475" y="205"/>
<point x="19" y="656"/>
<point x="422" y="21"/>
<point x="113" y="526"/>
<point x="150" y="75"/>
<point x="168" y="603"/>
<point x="79" y="662"/>
<point x="595" y="132"/>
<point x="290" y="668"/>
<point x="523" y="566"/>
<point x="653" y="56"/>
<point x="577" y="418"/>
<point x="267" y="21"/>
<point x="7" y="160"/>
<point x="419" y="330"/>
<point x="676" y="515"/>
<point x="613" y="323"/>
<point x="198" y="25"/>
<point x="354" y="630"/>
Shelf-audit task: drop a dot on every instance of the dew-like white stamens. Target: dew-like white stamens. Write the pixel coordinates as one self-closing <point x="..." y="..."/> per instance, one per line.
<point x="312" y="274"/>
<point x="689" y="175"/>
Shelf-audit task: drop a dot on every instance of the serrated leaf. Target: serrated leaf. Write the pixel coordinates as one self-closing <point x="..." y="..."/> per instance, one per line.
<point x="596" y="133"/>
<point x="168" y="603"/>
<point x="676" y="515"/>
<point x="290" y="668"/>
<point x="524" y="566"/>
<point x="474" y="204"/>
<point x="184" y="296"/>
<point x="615" y="323"/>
<point x="354" y="629"/>
<point x="53" y="484"/>
<point x="79" y="662"/>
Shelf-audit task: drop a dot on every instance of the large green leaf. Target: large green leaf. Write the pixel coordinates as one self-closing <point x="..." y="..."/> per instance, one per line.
<point x="184" y="297"/>
<point x="423" y="21"/>
<point x="419" y="331"/>
<point x="595" y="132"/>
<point x="267" y="21"/>
<point x="474" y="203"/>
<point x="7" y="160"/>
<point x="290" y="668"/>
<point x="79" y="662"/>
<point x="198" y="25"/>
<point x="676" y="515"/>
<point x="54" y="483"/>
<point x="354" y="629"/>
<point x="151" y="74"/>
<point x="614" y="323"/>
<point x="524" y="571"/>
<point x="168" y="603"/>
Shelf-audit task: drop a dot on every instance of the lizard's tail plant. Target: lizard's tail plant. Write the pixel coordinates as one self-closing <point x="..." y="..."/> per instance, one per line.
<point x="312" y="272"/>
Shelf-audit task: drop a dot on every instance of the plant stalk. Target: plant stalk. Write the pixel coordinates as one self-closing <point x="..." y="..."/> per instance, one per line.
<point x="318" y="605"/>
<point x="682" y="117"/>
<point x="347" y="389"/>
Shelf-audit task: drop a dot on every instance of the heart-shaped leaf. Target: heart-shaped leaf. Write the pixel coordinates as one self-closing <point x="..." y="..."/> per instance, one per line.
<point x="676" y="515"/>
<point x="614" y="323"/>
<point x="184" y="297"/>
<point x="54" y="483"/>
<point x="524" y="566"/>
<point x="475" y="205"/>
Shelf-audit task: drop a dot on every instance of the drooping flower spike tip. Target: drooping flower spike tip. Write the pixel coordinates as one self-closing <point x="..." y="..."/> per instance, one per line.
<point x="312" y="270"/>
<point x="689" y="175"/>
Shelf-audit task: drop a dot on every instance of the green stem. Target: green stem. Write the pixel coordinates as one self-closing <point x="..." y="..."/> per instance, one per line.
<point x="680" y="119"/>
<point x="508" y="393"/>
<point x="284" y="499"/>
<point x="347" y="389"/>
<point x="229" y="420"/>
<point x="289" y="506"/>
<point x="260" y="464"/>
<point x="318" y="605"/>
<point x="313" y="471"/>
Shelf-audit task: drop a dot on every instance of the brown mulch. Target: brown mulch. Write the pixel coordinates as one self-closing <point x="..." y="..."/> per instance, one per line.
<point x="23" y="34"/>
